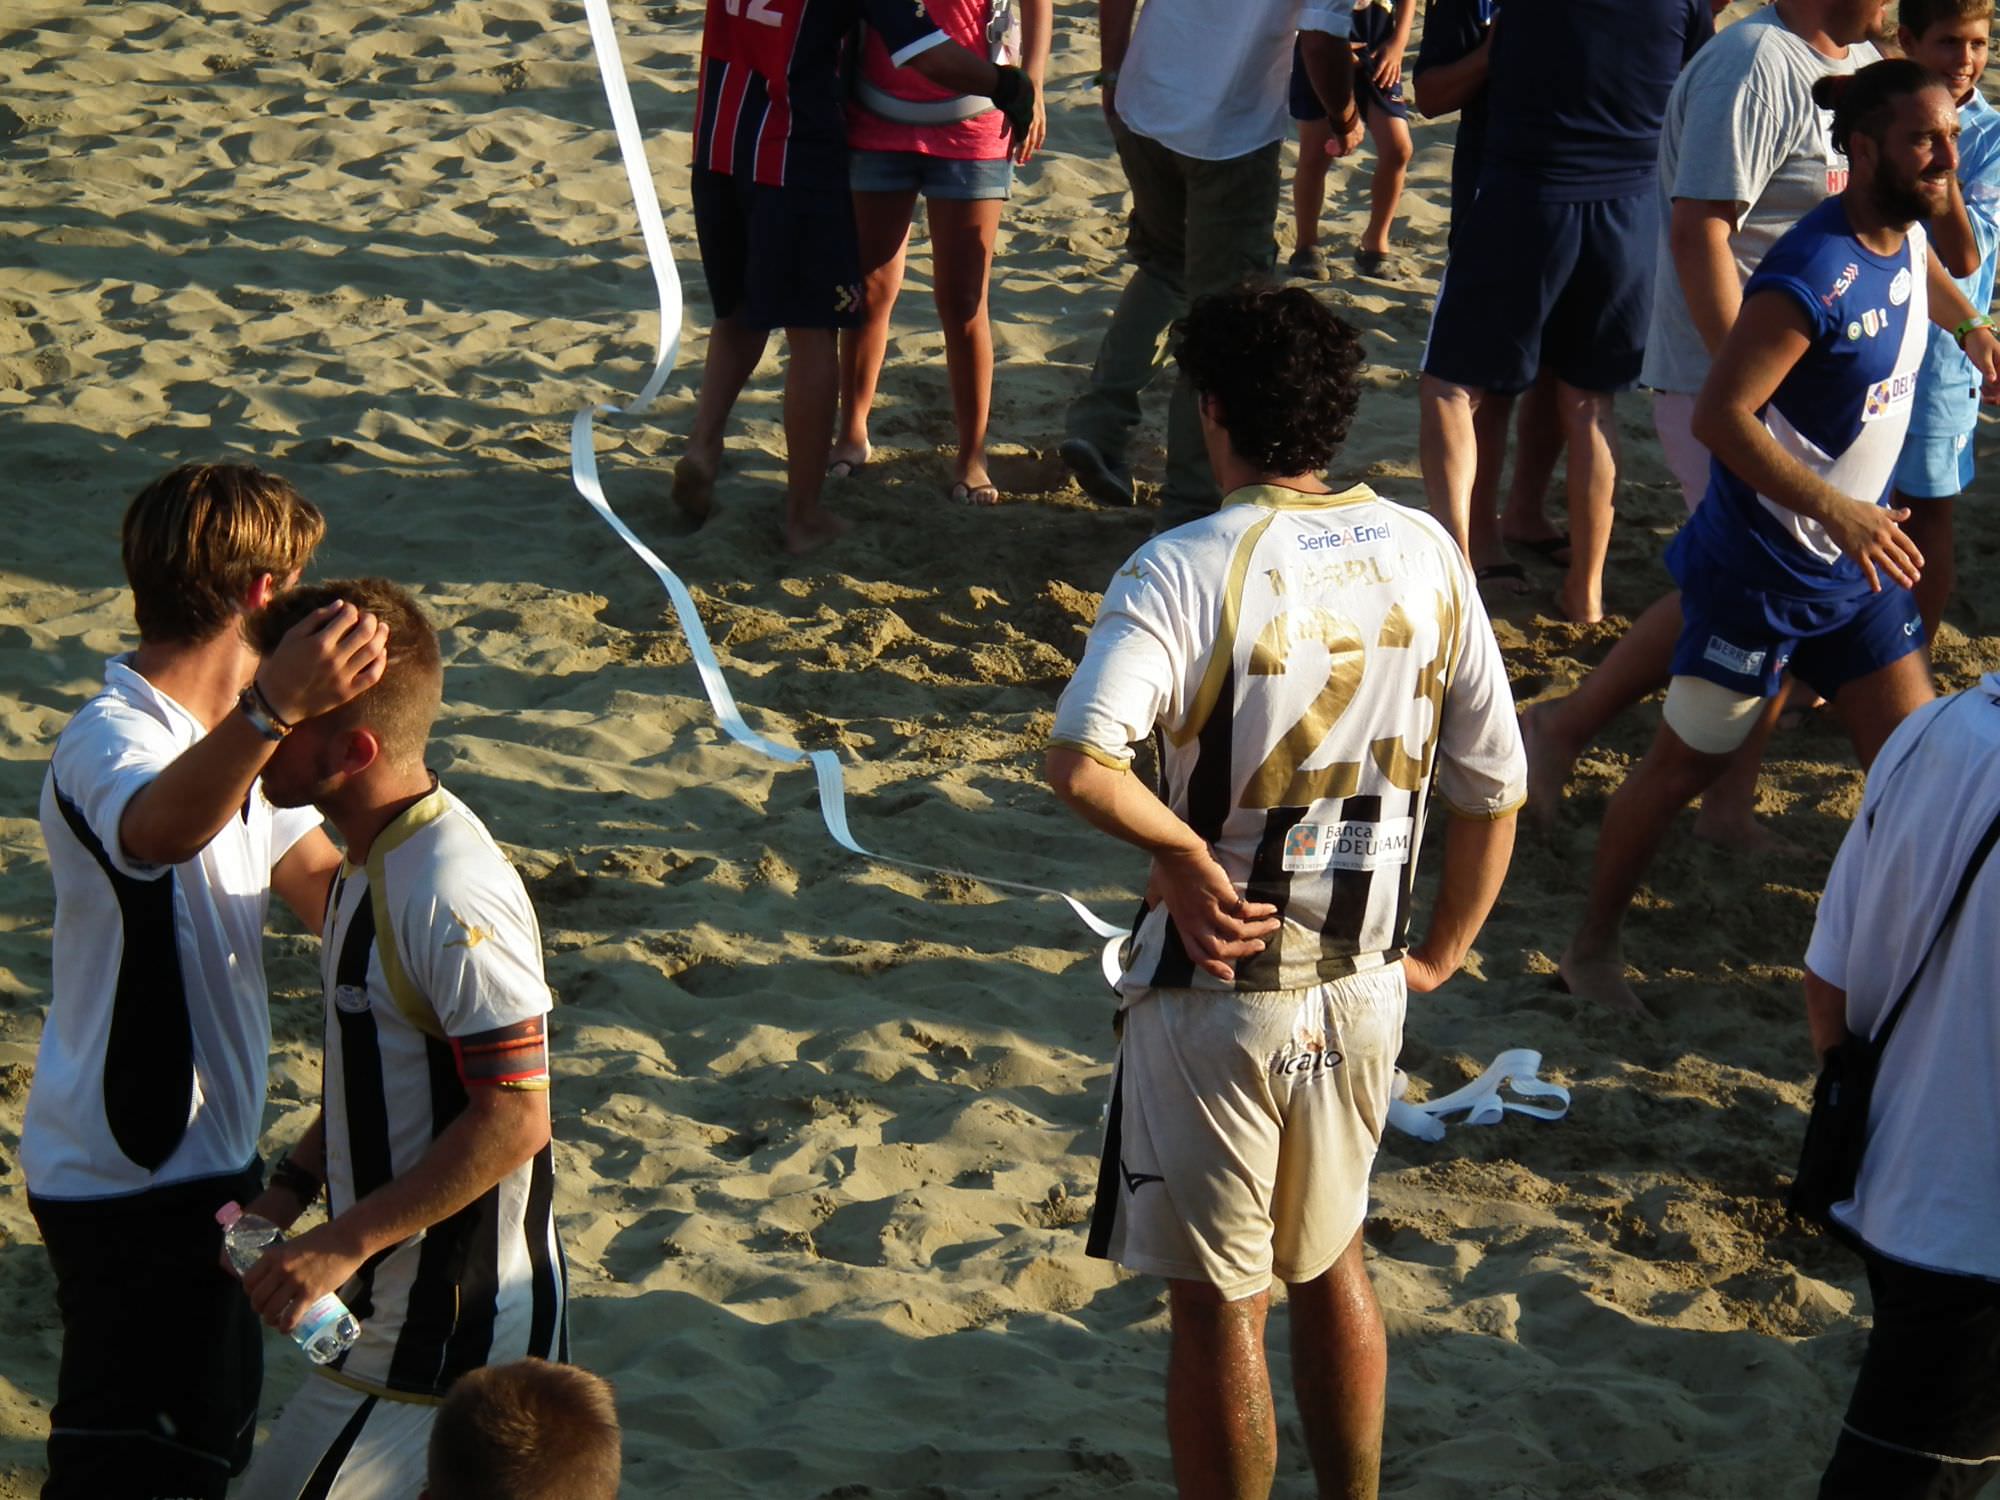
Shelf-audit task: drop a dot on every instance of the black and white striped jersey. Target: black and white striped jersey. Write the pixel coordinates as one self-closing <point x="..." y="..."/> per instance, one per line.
<point x="432" y="964"/>
<point x="1311" y="665"/>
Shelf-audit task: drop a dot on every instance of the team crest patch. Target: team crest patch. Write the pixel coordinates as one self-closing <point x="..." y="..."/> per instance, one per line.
<point x="1899" y="289"/>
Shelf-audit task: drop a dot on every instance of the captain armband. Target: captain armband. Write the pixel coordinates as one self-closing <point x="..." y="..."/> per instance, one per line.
<point x="508" y="1057"/>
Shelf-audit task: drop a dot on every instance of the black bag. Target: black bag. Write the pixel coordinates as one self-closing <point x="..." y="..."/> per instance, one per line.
<point x="1837" y="1129"/>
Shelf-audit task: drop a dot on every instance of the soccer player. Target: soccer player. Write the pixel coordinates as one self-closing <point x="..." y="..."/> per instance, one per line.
<point x="148" y="1092"/>
<point x="1380" y="38"/>
<point x="433" y="1135"/>
<point x="1555" y="266"/>
<point x="1950" y="37"/>
<point x="775" y="219"/>
<point x="1793" y="559"/>
<point x="1315" y="663"/>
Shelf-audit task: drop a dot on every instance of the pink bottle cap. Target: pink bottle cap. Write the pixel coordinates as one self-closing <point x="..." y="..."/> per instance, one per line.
<point x="228" y="1214"/>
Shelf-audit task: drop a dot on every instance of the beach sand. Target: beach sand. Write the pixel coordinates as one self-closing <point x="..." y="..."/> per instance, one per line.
<point x="826" y="1130"/>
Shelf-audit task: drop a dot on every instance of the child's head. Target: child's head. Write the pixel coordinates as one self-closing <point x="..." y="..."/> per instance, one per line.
<point x="529" y="1430"/>
<point x="209" y="542"/>
<point x="1948" y="37"/>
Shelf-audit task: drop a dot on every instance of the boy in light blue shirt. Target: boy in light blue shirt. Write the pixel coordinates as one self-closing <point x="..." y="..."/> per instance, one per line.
<point x="1950" y="38"/>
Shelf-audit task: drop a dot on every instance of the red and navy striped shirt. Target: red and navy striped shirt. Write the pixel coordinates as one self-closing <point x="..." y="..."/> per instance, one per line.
<point x="771" y="95"/>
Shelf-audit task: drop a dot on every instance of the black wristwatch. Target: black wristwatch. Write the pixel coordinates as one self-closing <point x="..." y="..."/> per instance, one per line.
<point x="297" y="1181"/>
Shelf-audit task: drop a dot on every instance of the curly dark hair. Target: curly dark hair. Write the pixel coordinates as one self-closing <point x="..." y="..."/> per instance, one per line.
<point x="1865" y="100"/>
<point x="1282" y="370"/>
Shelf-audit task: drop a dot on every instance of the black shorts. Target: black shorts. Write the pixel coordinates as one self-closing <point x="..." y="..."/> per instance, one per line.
<point x="1924" y="1421"/>
<point x="1530" y="286"/>
<point x="162" y="1356"/>
<point x="1373" y="26"/>
<point x="778" y="257"/>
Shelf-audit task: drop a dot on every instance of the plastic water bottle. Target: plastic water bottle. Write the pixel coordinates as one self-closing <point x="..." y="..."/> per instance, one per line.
<point x="328" y="1328"/>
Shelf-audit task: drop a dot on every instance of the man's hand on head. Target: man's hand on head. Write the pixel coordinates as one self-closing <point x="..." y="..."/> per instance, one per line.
<point x="1216" y="925"/>
<point x="334" y="654"/>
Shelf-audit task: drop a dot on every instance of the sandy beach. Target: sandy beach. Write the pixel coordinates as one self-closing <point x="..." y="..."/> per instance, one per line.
<point x="827" y="1130"/>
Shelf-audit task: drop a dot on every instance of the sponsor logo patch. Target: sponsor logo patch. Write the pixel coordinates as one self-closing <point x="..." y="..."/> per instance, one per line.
<point x="1884" y="395"/>
<point x="1353" y="536"/>
<point x="1735" y="658"/>
<point x="1347" y="846"/>
<point x="1849" y="274"/>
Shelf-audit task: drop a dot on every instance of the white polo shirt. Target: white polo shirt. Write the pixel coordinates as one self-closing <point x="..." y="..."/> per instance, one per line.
<point x="1212" y="78"/>
<point x="1929" y="1192"/>
<point x="153" y="1055"/>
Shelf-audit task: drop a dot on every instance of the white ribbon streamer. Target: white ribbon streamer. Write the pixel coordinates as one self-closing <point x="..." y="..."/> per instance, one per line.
<point x="1481" y="1099"/>
<point x="583" y="472"/>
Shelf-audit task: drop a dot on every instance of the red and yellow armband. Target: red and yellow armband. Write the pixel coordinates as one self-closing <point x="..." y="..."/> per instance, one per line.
<point x="508" y="1057"/>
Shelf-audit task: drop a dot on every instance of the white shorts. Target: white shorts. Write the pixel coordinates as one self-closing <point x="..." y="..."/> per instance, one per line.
<point x="1242" y="1129"/>
<point x="333" y="1442"/>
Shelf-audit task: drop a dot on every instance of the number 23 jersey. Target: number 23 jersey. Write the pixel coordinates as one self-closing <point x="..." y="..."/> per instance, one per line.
<point x="1310" y="664"/>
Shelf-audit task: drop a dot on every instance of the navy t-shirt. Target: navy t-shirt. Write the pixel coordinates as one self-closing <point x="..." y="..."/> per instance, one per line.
<point x="1578" y="90"/>
<point x="1453" y="30"/>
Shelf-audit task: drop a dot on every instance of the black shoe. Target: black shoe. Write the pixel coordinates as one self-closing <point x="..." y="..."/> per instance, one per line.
<point x="1095" y="474"/>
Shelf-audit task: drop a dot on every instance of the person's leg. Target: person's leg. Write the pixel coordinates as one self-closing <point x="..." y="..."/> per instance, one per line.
<point x="1489" y="435"/>
<point x="1448" y="449"/>
<point x="1105" y="412"/>
<point x="1930" y="527"/>
<point x="1340" y="1374"/>
<point x="1393" y="150"/>
<point x="734" y="349"/>
<point x="1231" y="206"/>
<point x="962" y="237"/>
<point x="1538" y="444"/>
<point x="1558" y="730"/>
<point x="1871" y="707"/>
<point x="1591" y="442"/>
<point x="812" y="393"/>
<point x="882" y="224"/>
<point x="1221" y="1427"/>
<point x="1309" y="183"/>
<point x="1636" y="820"/>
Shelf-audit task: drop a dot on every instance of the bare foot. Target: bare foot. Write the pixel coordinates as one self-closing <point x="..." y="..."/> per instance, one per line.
<point x="1550" y="757"/>
<point x="1744" y="834"/>
<point x="848" y="459"/>
<point x="1575" y="607"/>
<point x="813" y="530"/>
<point x="1602" y="981"/>
<point x="694" y="490"/>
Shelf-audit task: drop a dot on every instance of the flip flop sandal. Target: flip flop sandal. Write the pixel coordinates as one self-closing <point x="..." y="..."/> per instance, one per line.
<point x="975" y="494"/>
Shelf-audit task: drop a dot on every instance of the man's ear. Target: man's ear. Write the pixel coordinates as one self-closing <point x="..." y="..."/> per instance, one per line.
<point x="360" y="749"/>
<point x="262" y="592"/>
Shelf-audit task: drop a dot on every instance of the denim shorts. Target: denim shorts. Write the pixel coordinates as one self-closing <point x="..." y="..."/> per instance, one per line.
<point x="932" y="176"/>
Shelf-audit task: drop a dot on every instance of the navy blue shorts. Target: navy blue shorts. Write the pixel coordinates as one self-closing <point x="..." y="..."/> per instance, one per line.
<point x="1373" y="26"/>
<point x="778" y="257"/>
<point x="1745" y="639"/>
<point x="1530" y="286"/>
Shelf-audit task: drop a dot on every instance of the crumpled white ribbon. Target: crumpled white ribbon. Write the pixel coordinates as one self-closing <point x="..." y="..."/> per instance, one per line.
<point x="1481" y="1099"/>
<point x="583" y="472"/>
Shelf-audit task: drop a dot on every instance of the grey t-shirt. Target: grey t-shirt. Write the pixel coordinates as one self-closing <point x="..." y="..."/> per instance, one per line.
<point x="1741" y="127"/>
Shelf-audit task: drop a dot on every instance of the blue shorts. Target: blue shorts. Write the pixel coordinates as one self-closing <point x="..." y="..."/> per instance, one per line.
<point x="1373" y="26"/>
<point x="777" y="257"/>
<point x="933" y="176"/>
<point x="1934" y="468"/>
<point x="1745" y="639"/>
<point x="1531" y="286"/>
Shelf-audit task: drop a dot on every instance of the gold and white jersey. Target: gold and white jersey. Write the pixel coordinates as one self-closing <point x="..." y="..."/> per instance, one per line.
<point x="1311" y="665"/>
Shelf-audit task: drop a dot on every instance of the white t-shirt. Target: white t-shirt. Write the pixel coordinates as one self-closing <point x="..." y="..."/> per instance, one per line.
<point x="1211" y="78"/>
<point x="1308" y="662"/>
<point x="466" y="1010"/>
<point x="1741" y="127"/>
<point x="1929" y="1192"/>
<point x="127" y="1094"/>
